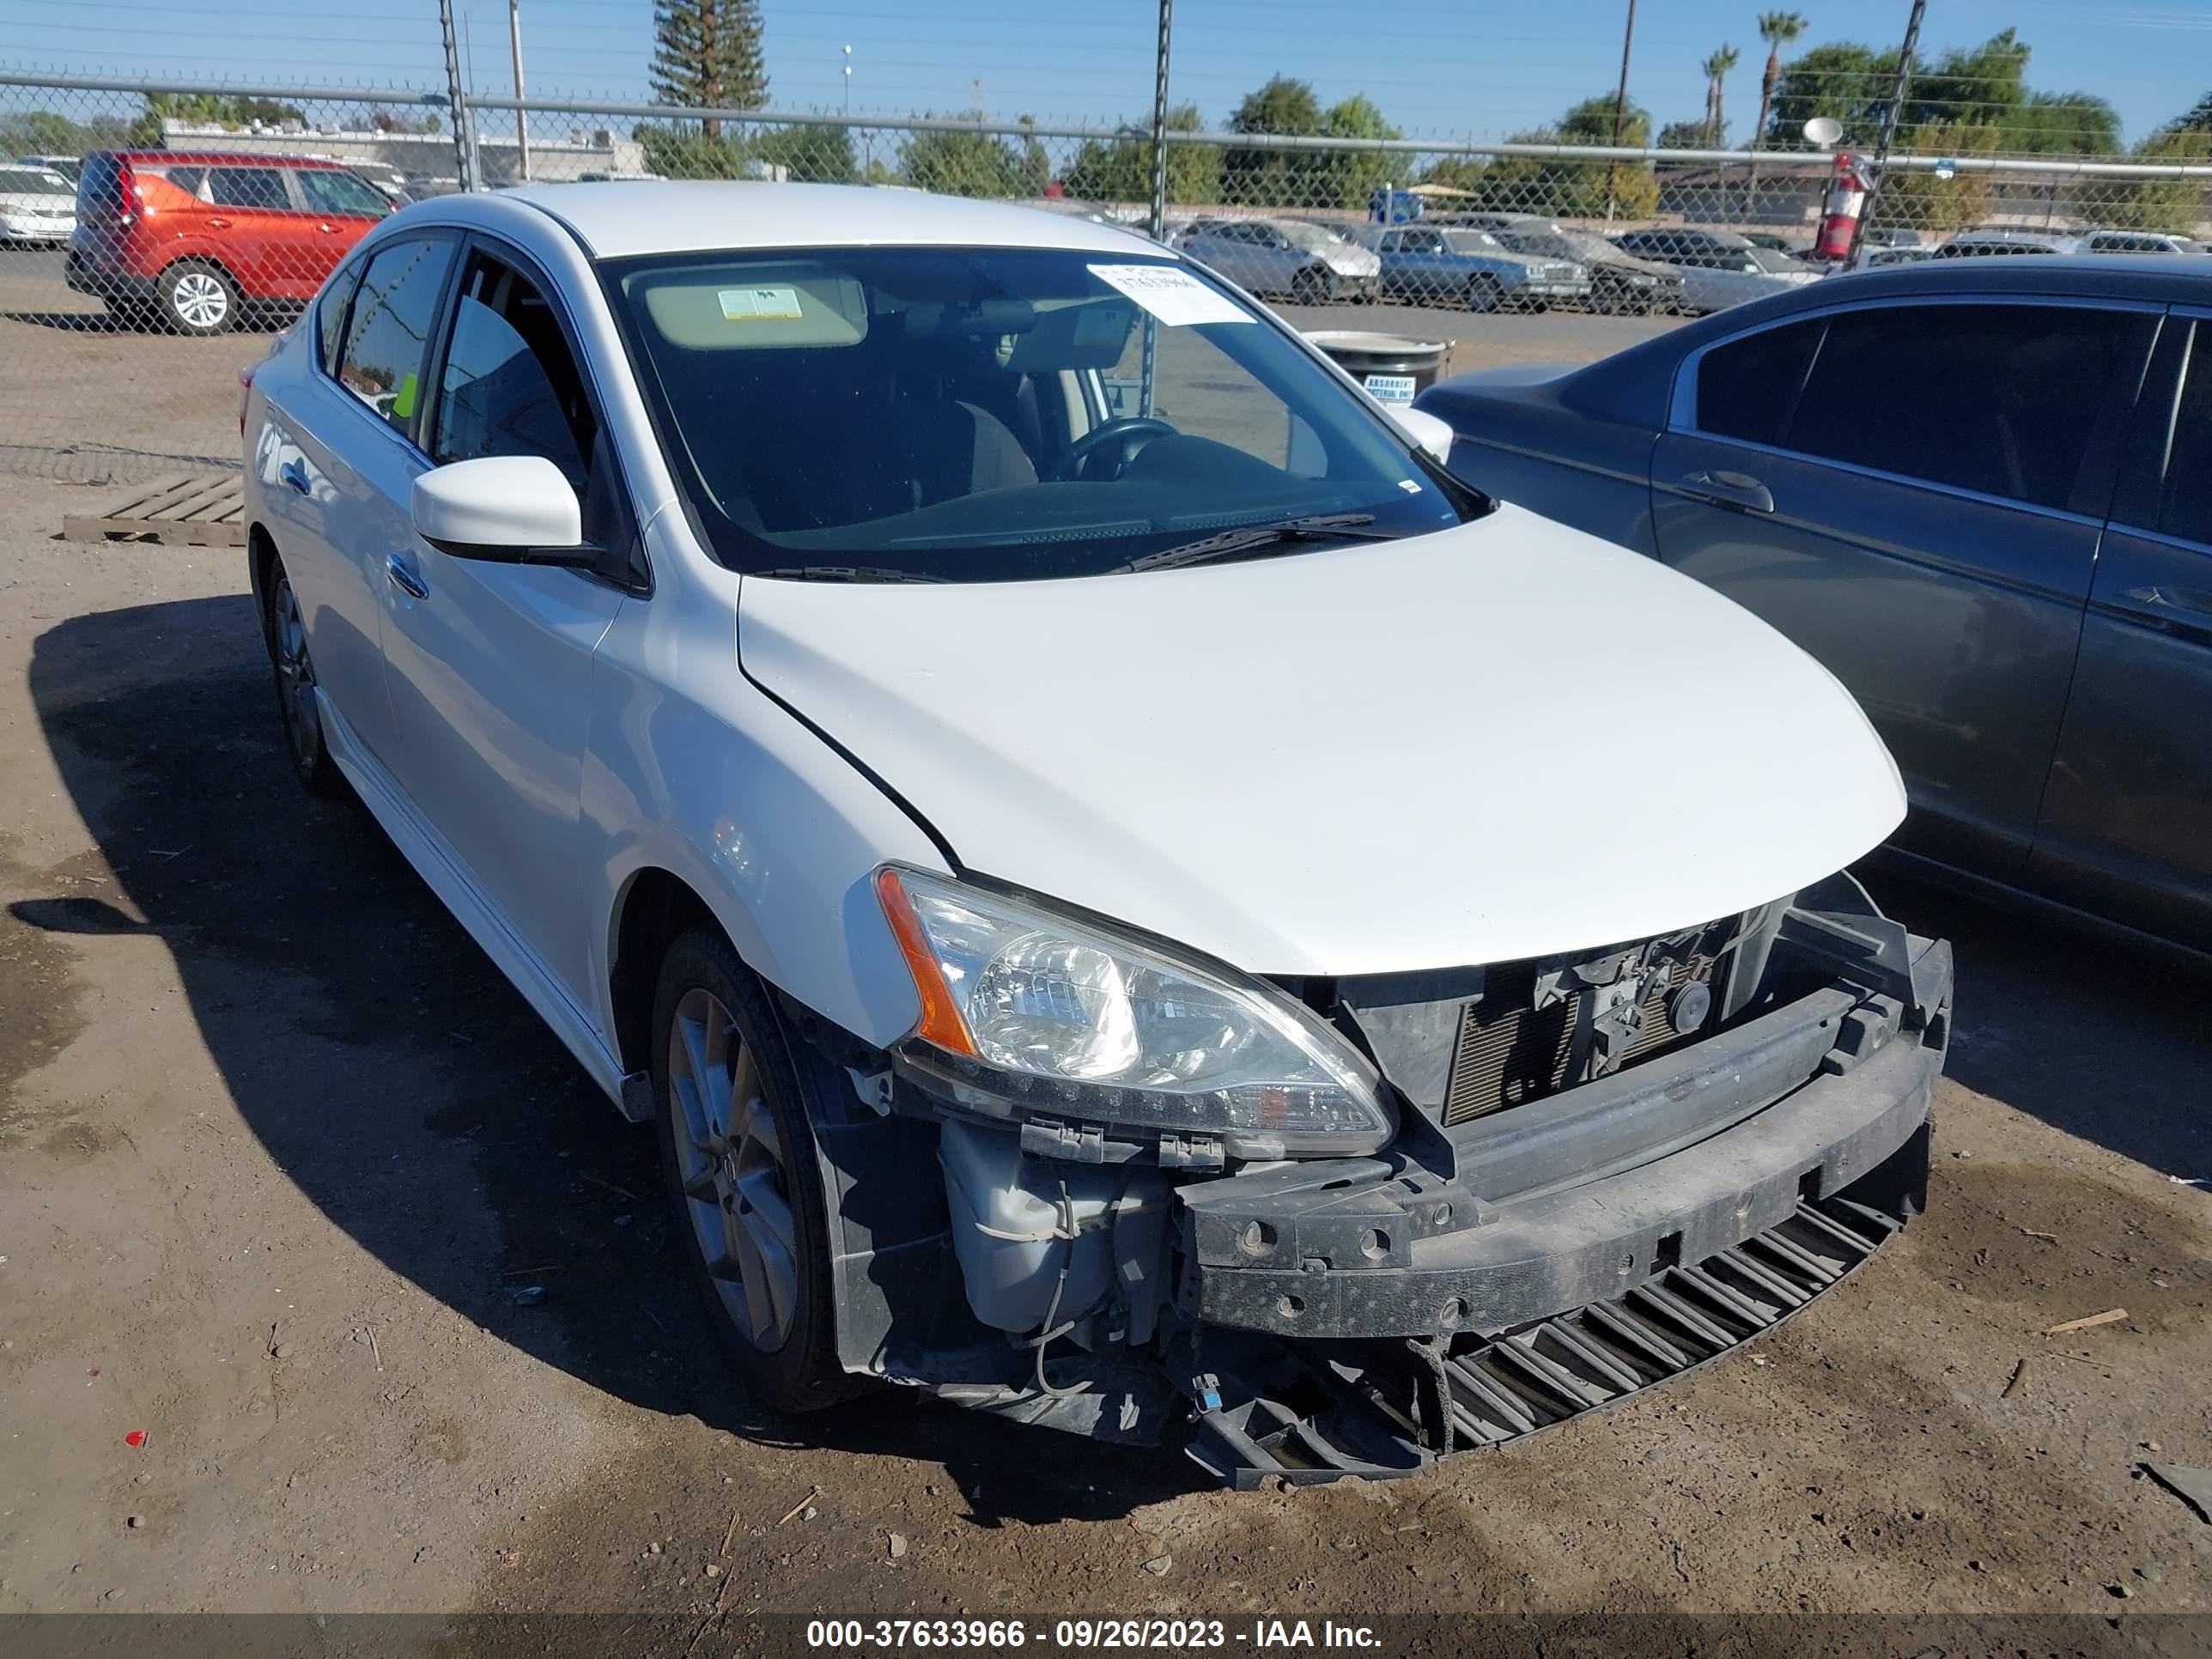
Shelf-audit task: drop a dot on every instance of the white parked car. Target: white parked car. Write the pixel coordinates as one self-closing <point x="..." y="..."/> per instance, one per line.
<point x="1093" y="903"/>
<point x="37" y="204"/>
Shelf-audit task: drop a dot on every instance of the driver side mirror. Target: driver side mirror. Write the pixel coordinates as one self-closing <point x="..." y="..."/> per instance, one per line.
<point x="507" y="509"/>
<point x="1431" y="434"/>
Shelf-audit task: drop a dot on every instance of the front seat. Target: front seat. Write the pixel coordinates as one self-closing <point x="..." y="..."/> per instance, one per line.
<point x="951" y="448"/>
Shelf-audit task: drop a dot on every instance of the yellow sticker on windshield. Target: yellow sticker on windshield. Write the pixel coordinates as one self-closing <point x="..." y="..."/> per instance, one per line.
<point x="747" y="305"/>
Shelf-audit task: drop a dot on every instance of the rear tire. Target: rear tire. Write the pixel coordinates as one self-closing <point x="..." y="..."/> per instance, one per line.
<point x="196" y="296"/>
<point x="286" y="631"/>
<point x="745" y="1176"/>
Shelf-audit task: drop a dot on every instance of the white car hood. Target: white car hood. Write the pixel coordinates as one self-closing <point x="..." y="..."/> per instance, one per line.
<point x="1503" y="740"/>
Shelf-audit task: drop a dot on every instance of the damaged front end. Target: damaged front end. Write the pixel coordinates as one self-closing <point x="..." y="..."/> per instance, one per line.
<point x="1599" y="1171"/>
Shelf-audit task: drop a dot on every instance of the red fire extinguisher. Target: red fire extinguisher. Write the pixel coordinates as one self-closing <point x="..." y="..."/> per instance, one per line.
<point x="1839" y="214"/>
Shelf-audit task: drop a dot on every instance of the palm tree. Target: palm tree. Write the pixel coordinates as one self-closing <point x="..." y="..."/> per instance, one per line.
<point x="1717" y="68"/>
<point x="1778" y="29"/>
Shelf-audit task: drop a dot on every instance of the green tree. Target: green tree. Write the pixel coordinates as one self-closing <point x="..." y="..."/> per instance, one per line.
<point x="2061" y="124"/>
<point x="1844" y="81"/>
<point x="809" y="154"/>
<point x="206" y="109"/>
<point x="1779" y="29"/>
<point x="1688" y="134"/>
<point x="1919" y="198"/>
<point x="1265" y="178"/>
<point x="2199" y="118"/>
<point x="959" y="162"/>
<point x="1716" y="68"/>
<point x="1349" y="179"/>
<point x="43" y="132"/>
<point x="706" y="54"/>
<point x="1035" y="163"/>
<point x="1120" y="170"/>
<point x="683" y="151"/>
<point x="1568" y="189"/>
<point x="2159" y="204"/>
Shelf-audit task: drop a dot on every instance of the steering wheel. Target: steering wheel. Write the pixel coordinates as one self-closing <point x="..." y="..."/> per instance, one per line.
<point x="1076" y="461"/>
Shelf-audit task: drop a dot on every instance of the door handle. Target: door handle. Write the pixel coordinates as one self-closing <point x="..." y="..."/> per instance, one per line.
<point x="328" y="230"/>
<point x="1729" y="490"/>
<point x="295" y="473"/>
<point x="403" y="577"/>
<point x="218" y="224"/>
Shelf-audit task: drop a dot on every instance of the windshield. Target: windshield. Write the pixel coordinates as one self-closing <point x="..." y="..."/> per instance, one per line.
<point x="995" y="414"/>
<point x="1781" y="263"/>
<point x="1312" y="238"/>
<point x="1471" y="241"/>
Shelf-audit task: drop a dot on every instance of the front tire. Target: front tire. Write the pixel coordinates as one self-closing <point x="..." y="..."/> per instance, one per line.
<point x="295" y="669"/>
<point x="198" y="297"/>
<point x="1309" y="287"/>
<point x="1484" y="293"/>
<point x="742" y="1166"/>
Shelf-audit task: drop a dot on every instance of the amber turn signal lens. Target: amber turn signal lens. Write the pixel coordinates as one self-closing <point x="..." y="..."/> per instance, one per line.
<point x="940" y="1021"/>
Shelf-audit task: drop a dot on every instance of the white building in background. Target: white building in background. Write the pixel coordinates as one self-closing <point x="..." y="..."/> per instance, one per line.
<point x="556" y="155"/>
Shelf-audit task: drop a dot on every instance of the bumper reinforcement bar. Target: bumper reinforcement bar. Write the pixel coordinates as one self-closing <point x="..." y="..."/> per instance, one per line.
<point x="1315" y="1411"/>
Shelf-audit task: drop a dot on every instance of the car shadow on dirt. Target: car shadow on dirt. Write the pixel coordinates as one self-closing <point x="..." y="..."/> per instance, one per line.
<point x="163" y="723"/>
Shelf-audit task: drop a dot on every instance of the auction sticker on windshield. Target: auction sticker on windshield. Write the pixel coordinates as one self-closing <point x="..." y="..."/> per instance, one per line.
<point x="746" y="304"/>
<point x="1175" y="297"/>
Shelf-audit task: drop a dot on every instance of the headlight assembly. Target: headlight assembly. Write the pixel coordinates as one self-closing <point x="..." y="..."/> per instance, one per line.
<point x="1070" y="1020"/>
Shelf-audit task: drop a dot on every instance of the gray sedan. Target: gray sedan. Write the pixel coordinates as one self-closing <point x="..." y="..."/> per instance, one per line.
<point x="2011" y="567"/>
<point x="1427" y="266"/>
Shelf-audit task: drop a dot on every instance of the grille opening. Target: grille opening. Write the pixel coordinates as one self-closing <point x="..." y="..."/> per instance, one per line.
<point x="1510" y="1052"/>
<point x="1668" y="1253"/>
<point x="1808" y="1184"/>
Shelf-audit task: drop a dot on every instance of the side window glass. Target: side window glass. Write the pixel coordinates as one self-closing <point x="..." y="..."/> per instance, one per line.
<point x="1747" y="388"/>
<point x="389" y="333"/>
<point x="510" y="385"/>
<point x="331" y="317"/>
<point x="328" y="190"/>
<point x="248" y="187"/>
<point x="2185" y="508"/>
<point x="2002" y="399"/>
<point x="1392" y="242"/>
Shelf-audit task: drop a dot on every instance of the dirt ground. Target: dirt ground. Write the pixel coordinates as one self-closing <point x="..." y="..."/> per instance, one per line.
<point x="279" y="1148"/>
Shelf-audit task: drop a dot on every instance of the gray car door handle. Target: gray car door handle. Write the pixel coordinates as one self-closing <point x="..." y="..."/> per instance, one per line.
<point x="1729" y="490"/>
<point x="295" y="473"/>
<point x="404" y="578"/>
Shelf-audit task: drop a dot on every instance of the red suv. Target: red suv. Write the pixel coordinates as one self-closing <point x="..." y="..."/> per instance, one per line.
<point x="190" y="239"/>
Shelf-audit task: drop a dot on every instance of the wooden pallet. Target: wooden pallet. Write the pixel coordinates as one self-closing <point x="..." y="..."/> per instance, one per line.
<point x="194" y="512"/>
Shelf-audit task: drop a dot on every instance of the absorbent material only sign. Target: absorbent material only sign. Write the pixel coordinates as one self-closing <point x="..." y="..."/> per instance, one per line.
<point x="1175" y="297"/>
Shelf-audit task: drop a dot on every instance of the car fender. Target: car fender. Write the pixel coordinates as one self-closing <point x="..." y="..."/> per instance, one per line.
<point x="778" y="832"/>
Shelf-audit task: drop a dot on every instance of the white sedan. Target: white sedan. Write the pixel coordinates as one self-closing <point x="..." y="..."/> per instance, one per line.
<point x="1076" y="828"/>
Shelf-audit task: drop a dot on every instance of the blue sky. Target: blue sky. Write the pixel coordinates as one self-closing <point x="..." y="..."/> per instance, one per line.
<point x="1455" y="68"/>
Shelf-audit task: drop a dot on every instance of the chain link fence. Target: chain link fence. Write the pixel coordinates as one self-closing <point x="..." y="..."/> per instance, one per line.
<point x="141" y="222"/>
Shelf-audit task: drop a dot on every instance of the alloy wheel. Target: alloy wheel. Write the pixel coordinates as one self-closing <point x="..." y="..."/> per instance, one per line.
<point x="731" y="1161"/>
<point x="295" y="676"/>
<point x="200" y="299"/>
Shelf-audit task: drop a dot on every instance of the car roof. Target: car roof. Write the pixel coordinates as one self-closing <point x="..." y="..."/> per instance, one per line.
<point x="621" y="217"/>
<point x="201" y="158"/>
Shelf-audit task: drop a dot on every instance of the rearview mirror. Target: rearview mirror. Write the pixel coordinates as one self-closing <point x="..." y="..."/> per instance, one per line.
<point x="1431" y="434"/>
<point x="511" y="510"/>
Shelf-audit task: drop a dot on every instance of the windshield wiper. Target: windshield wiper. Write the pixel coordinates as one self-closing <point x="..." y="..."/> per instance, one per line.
<point x="1316" y="527"/>
<point x="846" y="572"/>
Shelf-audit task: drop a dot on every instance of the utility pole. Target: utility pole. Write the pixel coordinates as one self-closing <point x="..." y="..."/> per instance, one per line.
<point x="464" y="154"/>
<point x="1888" y="135"/>
<point x="1159" y="219"/>
<point x="848" y="80"/>
<point x="521" y="118"/>
<point x="1619" y="108"/>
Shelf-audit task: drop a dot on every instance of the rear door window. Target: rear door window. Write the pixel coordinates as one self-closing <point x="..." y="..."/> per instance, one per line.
<point x="2185" y="508"/>
<point x="388" y="331"/>
<point x="1747" y="389"/>
<point x="331" y="317"/>
<point x="249" y="187"/>
<point x="328" y="190"/>
<point x="1997" y="398"/>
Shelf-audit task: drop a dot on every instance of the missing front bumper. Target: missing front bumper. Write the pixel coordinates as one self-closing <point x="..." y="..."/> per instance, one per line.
<point x="1306" y="1413"/>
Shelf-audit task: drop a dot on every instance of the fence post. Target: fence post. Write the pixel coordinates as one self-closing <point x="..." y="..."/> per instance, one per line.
<point x="1889" y="119"/>
<point x="465" y="148"/>
<point x="1159" y="222"/>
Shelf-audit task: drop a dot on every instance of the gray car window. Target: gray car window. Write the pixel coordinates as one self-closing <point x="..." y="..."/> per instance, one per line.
<point x="510" y="385"/>
<point x="249" y="187"/>
<point x="1998" y="399"/>
<point x="1747" y="388"/>
<point x="330" y="316"/>
<point x="2185" y="502"/>
<point x="389" y="333"/>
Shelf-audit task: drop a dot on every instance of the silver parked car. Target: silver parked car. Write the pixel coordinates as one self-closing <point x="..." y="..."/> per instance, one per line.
<point x="1719" y="267"/>
<point x="2011" y="567"/>
<point x="1425" y="264"/>
<point x="2142" y="241"/>
<point x="1286" y="259"/>
<point x="2003" y="241"/>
